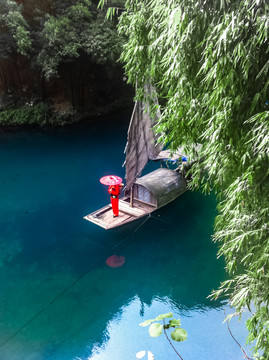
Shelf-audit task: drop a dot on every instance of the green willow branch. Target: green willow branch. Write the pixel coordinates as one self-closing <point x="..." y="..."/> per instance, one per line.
<point x="243" y="351"/>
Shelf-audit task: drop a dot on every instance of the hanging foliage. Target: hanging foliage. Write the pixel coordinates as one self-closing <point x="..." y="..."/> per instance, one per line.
<point x="14" y="30"/>
<point x="210" y="63"/>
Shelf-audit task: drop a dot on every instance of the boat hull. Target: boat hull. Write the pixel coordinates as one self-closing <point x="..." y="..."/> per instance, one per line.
<point x="127" y="214"/>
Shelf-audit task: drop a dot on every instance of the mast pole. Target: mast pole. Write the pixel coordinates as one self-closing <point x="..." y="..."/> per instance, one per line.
<point x="132" y="196"/>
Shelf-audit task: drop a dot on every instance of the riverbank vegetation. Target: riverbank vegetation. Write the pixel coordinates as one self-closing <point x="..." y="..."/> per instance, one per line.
<point x="38" y="115"/>
<point x="209" y="62"/>
<point x="63" y="54"/>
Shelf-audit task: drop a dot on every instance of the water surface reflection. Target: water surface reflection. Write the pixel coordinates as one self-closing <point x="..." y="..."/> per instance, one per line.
<point x="59" y="300"/>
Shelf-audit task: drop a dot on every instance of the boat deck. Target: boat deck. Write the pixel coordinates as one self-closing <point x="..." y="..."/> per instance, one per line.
<point x="104" y="216"/>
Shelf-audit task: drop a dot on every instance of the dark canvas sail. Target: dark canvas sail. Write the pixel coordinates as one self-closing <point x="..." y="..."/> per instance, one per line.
<point x="141" y="142"/>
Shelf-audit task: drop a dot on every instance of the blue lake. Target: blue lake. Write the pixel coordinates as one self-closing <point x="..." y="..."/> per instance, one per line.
<point x="59" y="300"/>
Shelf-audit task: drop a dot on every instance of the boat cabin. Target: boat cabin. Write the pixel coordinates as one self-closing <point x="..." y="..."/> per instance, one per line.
<point x="159" y="187"/>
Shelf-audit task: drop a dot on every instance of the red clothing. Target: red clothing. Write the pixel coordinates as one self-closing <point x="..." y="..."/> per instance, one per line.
<point x="114" y="191"/>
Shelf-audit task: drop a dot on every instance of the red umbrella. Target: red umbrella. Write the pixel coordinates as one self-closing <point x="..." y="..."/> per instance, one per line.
<point x="110" y="180"/>
<point x="115" y="261"/>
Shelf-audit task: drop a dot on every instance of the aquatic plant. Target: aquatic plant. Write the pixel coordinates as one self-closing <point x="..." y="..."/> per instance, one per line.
<point x="156" y="329"/>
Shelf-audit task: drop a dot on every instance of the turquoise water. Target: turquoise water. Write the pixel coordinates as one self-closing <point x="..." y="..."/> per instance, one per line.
<point x="59" y="300"/>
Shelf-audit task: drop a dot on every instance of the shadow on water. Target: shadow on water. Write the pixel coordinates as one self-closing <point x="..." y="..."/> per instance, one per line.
<point x="59" y="298"/>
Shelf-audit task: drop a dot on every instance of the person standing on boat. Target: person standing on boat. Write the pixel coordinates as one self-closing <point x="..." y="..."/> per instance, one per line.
<point x="114" y="191"/>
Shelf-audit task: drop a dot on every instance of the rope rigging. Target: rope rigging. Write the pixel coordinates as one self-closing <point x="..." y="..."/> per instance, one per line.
<point x="61" y="293"/>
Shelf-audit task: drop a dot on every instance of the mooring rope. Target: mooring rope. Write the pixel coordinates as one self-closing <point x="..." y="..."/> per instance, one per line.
<point x="162" y="220"/>
<point x="60" y="294"/>
<point x="149" y="215"/>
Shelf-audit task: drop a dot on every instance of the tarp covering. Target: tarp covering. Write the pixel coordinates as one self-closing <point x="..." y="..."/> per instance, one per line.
<point x="141" y="141"/>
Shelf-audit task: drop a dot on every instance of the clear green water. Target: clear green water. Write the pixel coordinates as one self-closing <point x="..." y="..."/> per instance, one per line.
<point x="59" y="300"/>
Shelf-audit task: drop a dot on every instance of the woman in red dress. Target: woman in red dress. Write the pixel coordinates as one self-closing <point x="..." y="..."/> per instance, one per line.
<point x="114" y="191"/>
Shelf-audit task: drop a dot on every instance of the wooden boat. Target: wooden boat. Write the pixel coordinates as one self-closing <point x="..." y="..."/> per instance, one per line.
<point x="145" y="194"/>
<point x="150" y="192"/>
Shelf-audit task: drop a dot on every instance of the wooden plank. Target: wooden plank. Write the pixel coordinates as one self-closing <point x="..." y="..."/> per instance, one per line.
<point x="120" y="220"/>
<point x="125" y="207"/>
<point x="95" y="221"/>
<point x="104" y="218"/>
<point x="100" y="211"/>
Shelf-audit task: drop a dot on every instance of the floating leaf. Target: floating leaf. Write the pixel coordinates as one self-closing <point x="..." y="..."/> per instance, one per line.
<point x="174" y="322"/>
<point x="155" y="329"/>
<point x="179" y="335"/>
<point x="164" y="316"/>
<point x="146" y="322"/>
